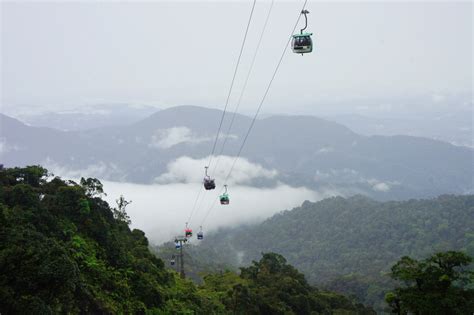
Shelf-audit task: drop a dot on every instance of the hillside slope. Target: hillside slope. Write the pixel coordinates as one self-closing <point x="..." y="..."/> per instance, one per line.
<point x="351" y="242"/>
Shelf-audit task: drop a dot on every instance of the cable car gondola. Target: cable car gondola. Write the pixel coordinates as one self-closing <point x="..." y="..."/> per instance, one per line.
<point x="208" y="182"/>
<point x="302" y="43"/>
<point x="200" y="235"/>
<point x="188" y="232"/>
<point x="172" y="261"/>
<point x="224" y="198"/>
<point x="177" y="245"/>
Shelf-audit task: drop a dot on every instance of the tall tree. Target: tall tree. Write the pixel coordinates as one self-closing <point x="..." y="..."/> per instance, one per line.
<point x="439" y="284"/>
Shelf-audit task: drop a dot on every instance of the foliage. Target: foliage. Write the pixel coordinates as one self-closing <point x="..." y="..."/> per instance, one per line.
<point x="271" y="286"/>
<point x="120" y="212"/>
<point x="436" y="285"/>
<point x="64" y="250"/>
<point x="200" y="261"/>
<point x="349" y="244"/>
<point x="92" y="187"/>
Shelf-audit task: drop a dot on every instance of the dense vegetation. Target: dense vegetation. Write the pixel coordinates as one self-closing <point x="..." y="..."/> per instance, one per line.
<point x="271" y="286"/>
<point x="439" y="284"/>
<point x="348" y="245"/>
<point x="64" y="250"/>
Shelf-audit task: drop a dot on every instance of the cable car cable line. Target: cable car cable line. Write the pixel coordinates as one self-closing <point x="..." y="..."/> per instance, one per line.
<point x="195" y="203"/>
<point x="244" y="87"/>
<point x="232" y="83"/>
<point x="259" y="107"/>
<point x="225" y="107"/>
<point x="240" y="97"/>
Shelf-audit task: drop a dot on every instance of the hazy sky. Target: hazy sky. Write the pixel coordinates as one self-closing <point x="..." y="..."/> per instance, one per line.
<point x="173" y="53"/>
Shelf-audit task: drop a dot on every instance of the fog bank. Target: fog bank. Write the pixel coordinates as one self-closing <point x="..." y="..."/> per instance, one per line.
<point x="162" y="210"/>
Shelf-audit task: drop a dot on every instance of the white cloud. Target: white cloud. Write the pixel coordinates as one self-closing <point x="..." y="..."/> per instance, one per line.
<point x="378" y="185"/>
<point x="189" y="170"/>
<point x="325" y="150"/>
<point x="162" y="210"/>
<point x="98" y="170"/>
<point x="381" y="187"/>
<point x="167" y="138"/>
<point x="347" y="175"/>
<point x="5" y="147"/>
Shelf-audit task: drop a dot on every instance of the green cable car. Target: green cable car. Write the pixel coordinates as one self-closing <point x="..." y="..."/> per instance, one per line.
<point x="302" y="43"/>
<point x="224" y="198"/>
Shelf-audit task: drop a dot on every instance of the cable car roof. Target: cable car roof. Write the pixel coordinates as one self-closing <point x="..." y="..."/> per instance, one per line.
<point x="303" y="35"/>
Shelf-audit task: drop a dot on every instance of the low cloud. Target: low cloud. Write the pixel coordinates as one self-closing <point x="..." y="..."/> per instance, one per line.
<point x="98" y="170"/>
<point x="189" y="170"/>
<point x="381" y="187"/>
<point x="378" y="185"/>
<point x="162" y="210"/>
<point x="5" y="147"/>
<point x="347" y="175"/>
<point x="326" y="149"/>
<point x="167" y="138"/>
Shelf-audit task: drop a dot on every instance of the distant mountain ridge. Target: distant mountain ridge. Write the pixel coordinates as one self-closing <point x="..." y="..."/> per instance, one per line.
<point x="85" y="117"/>
<point x="305" y="150"/>
<point x="454" y="127"/>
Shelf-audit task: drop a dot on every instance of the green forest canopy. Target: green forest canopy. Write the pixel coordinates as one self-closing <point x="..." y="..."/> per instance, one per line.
<point x="349" y="244"/>
<point x="65" y="250"/>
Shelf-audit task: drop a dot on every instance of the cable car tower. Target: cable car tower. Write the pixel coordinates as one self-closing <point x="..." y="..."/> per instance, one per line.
<point x="179" y="242"/>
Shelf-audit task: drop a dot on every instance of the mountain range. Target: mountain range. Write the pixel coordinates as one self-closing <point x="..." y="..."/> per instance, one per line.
<point x="304" y="150"/>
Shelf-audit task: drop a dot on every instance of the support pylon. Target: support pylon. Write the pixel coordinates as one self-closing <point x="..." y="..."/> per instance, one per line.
<point x="181" y="240"/>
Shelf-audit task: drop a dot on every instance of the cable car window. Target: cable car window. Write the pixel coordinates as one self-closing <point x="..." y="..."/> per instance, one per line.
<point x="305" y="41"/>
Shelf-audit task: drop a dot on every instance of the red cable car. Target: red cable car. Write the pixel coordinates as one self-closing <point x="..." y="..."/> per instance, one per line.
<point x="188" y="232"/>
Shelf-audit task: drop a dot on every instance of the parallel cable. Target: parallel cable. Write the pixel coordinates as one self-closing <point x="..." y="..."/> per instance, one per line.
<point x="226" y="103"/>
<point x="242" y="91"/>
<point x="232" y="83"/>
<point x="258" y="109"/>
<point x="194" y="205"/>
<point x="244" y="87"/>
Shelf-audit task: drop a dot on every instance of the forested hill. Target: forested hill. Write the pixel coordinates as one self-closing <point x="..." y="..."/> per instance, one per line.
<point x="310" y="151"/>
<point x="349" y="244"/>
<point x="63" y="250"/>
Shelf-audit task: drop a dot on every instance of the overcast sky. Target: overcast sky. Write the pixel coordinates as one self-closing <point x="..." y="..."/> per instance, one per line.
<point x="173" y="53"/>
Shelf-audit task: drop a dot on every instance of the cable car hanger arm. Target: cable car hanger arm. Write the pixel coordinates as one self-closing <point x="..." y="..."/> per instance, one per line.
<point x="305" y="20"/>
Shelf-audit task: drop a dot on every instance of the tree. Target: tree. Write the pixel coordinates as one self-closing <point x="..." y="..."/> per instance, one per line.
<point x="93" y="187"/>
<point x="436" y="285"/>
<point x="119" y="212"/>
